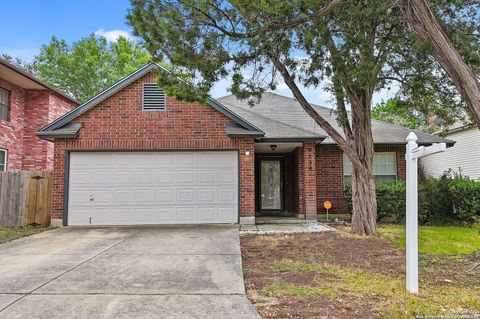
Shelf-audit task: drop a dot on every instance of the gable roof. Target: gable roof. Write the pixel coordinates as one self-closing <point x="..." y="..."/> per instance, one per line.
<point x="27" y="80"/>
<point x="287" y="111"/>
<point x="49" y="130"/>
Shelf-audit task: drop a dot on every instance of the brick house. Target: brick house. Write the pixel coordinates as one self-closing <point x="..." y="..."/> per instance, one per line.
<point x="27" y="105"/>
<point x="132" y="155"/>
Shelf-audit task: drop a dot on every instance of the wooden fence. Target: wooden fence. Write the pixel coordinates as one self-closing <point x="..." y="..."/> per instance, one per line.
<point x="25" y="198"/>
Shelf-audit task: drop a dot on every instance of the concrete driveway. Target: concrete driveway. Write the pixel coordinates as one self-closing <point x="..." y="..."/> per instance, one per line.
<point x="125" y="272"/>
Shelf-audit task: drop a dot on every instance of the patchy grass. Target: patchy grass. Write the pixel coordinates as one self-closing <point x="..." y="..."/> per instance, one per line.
<point x="283" y="289"/>
<point x="11" y="233"/>
<point x="437" y="240"/>
<point x="337" y="275"/>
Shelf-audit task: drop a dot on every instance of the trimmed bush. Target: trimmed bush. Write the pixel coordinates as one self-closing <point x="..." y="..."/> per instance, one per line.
<point x="465" y="195"/>
<point x="451" y="199"/>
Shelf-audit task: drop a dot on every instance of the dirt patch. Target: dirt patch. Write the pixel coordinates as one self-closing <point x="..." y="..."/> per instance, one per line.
<point x="301" y="262"/>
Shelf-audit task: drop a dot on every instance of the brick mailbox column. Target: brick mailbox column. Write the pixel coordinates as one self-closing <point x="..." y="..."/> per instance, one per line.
<point x="308" y="181"/>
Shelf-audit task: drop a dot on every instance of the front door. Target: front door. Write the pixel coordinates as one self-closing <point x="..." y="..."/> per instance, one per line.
<point x="271" y="184"/>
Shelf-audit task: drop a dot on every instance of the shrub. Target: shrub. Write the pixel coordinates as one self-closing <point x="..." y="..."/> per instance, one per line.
<point x="465" y="196"/>
<point x="390" y="200"/>
<point x="452" y="198"/>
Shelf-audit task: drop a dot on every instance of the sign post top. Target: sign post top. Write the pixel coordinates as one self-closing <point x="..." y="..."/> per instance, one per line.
<point x="412" y="137"/>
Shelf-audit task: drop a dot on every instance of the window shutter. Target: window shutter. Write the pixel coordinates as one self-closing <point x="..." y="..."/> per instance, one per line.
<point x="153" y="98"/>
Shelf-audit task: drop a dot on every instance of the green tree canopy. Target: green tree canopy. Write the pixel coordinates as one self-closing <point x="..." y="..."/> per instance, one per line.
<point x="88" y="66"/>
<point x="352" y="48"/>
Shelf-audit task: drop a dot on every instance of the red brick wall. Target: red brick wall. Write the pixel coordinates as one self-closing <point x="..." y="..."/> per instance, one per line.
<point x="118" y="123"/>
<point x="30" y="110"/>
<point x="11" y="132"/>
<point x="36" y="116"/>
<point x="329" y="160"/>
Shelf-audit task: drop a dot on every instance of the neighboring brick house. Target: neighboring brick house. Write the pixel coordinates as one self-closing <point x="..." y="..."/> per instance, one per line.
<point x="27" y="105"/>
<point x="131" y="155"/>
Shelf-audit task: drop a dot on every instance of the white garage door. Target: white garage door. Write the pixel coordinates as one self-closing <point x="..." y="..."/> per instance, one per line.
<point x="136" y="188"/>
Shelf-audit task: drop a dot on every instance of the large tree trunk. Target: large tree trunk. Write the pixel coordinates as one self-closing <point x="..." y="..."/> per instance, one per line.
<point x="423" y="22"/>
<point x="364" y="199"/>
<point x="364" y="202"/>
<point x="359" y="148"/>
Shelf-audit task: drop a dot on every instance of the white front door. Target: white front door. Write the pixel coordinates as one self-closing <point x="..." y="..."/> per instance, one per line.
<point x="136" y="188"/>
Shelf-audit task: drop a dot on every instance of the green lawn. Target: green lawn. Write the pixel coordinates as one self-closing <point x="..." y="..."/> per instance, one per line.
<point x="437" y="240"/>
<point x="10" y="233"/>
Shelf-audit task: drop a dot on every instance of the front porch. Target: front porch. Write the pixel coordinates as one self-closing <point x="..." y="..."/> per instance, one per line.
<point x="285" y="182"/>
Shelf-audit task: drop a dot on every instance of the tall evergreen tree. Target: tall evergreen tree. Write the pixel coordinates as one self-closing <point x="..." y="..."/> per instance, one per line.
<point x="352" y="48"/>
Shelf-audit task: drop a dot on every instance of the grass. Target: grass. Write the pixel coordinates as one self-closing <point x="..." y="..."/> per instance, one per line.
<point x="11" y="233"/>
<point x="357" y="283"/>
<point x="437" y="240"/>
<point x="284" y="289"/>
<point x="448" y="284"/>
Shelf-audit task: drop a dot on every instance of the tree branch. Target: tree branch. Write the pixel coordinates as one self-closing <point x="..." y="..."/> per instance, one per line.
<point x="423" y="22"/>
<point x="340" y="140"/>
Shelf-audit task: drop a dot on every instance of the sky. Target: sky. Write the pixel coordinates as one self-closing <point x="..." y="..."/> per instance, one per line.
<point x="32" y="23"/>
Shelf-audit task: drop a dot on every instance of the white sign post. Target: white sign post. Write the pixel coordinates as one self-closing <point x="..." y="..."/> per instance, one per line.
<point x="413" y="153"/>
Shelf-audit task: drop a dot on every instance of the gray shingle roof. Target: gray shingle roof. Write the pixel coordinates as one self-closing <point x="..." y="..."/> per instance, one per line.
<point x="282" y="117"/>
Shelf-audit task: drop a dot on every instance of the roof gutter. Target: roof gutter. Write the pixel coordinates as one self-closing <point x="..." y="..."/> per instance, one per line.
<point x="31" y="77"/>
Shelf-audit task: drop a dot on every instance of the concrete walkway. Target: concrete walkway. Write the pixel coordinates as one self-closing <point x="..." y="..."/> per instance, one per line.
<point x="125" y="272"/>
<point x="273" y="229"/>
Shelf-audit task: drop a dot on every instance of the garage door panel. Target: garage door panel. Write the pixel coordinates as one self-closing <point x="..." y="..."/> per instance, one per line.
<point x="185" y="213"/>
<point x="145" y="177"/>
<point x="166" y="196"/>
<point x="153" y="188"/>
<point x="165" y="160"/>
<point x="124" y="196"/>
<point x="186" y="196"/>
<point x="79" y="197"/>
<point x="184" y="159"/>
<point x="165" y="214"/>
<point x="145" y="196"/>
<point x="207" y="214"/>
<point x="82" y="177"/>
<point x="207" y="177"/>
<point x="206" y="195"/>
<point x="226" y="195"/>
<point x="206" y="159"/>
<point x="226" y="213"/>
<point x="165" y="177"/>
<point x="143" y="215"/>
<point x="227" y="177"/>
<point x="186" y="177"/>
<point x="123" y="177"/>
<point x="143" y="160"/>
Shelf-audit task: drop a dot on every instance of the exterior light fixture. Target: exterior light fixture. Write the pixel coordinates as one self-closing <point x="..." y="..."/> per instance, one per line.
<point x="247" y="152"/>
<point x="273" y="147"/>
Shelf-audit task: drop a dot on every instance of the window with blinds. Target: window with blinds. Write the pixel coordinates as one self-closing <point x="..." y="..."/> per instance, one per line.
<point x="4" y="104"/>
<point x="153" y="98"/>
<point x="384" y="168"/>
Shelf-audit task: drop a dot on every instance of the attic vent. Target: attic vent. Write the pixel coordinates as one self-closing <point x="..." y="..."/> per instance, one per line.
<point x="153" y="98"/>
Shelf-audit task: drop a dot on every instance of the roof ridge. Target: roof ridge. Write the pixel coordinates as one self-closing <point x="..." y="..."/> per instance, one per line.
<point x="276" y="121"/>
<point x="282" y="96"/>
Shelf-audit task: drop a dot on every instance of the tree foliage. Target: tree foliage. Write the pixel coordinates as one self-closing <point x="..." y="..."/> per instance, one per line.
<point x="88" y="66"/>
<point x="17" y="62"/>
<point x="409" y="115"/>
<point x="450" y="29"/>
